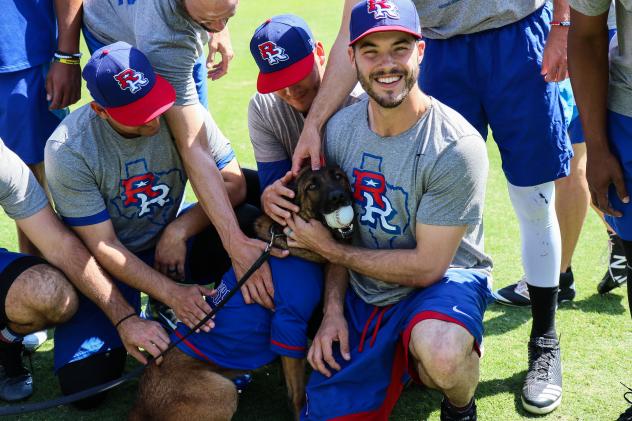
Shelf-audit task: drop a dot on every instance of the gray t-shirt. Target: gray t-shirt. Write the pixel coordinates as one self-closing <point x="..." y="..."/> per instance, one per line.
<point x="21" y="195"/>
<point x="95" y="174"/>
<point x="434" y="173"/>
<point x="275" y="127"/>
<point x="161" y="29"/>
<point x="620" y="88"/>
<point x="441" y="19"/>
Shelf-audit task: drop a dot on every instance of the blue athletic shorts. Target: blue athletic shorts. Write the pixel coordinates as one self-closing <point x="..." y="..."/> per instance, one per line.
<point x="248" y="336"/>
<point x="493" y="78"/>
<point x="25" y="120"/>
<point x="89" y="331"/>
<point x="620" y="135"/>
<point x="368" y="386"/>
<point x="199" y="68"/>
<point x="571" y="113"/>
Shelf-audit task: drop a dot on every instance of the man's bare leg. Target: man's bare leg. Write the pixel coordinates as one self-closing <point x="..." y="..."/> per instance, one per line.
<point x="446" y="360"/>
<point x="40" y="297"/>
<point x="572" y="198"/>
<point x="184" y="388"/>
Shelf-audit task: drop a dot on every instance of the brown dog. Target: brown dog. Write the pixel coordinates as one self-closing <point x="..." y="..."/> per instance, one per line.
<point x="317" y="193"/>
<point x="185" y="388"/>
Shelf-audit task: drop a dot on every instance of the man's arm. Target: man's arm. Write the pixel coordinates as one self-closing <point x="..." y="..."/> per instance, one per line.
<point x="554" y="67"/>
<point x="418" y="267"/>
<point x="334" y="327"/>
<point x="65" y="251"/>
<point x="187" y="126"/>
<point x="63" y="82"/>
<point x="338" y="81"/>
<point x="187" y="301"/>
<point x="588" y="60"/>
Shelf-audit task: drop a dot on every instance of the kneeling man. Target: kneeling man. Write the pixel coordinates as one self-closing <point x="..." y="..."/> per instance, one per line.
<point x="117" y="179"/>
<point x="417" y="269"/>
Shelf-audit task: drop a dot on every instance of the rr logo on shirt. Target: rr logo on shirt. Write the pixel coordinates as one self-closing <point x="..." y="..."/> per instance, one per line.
<point x="272" y="53"/>
<point x="382" y="9"/>
<point x="131" y="79"/>
<point x="369" y="189"/>
<point x="140" y="191"/>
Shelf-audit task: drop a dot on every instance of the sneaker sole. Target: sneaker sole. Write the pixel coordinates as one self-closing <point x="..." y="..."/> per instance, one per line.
<point x="502" y="300"/>
<point x="540" y="411"/>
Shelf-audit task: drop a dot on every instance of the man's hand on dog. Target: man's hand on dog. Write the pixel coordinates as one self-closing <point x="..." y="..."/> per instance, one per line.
<point x="320" y="355"/>
<point x="310" y="235"/>
<point x="275" y="200"/>
<point x="259" y="288"/>
<point x="188" y="302"/>
<point x="137" y="333"/>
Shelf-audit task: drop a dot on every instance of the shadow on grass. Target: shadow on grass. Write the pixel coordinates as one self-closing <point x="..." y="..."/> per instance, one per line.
<point x="510" y="319"/>
<point x="603" y="304"/>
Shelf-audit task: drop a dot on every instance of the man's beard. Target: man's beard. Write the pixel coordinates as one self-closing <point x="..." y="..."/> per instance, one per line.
<point x="410" y="78"/>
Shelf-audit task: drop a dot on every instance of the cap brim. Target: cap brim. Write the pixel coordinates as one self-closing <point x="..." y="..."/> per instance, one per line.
<point x="385" y="28"/>
<point x="161" y="97"/>
<point x="274" y="81"/>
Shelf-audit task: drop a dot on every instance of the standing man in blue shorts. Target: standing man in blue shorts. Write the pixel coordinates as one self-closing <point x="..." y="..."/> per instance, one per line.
<point x="39" y="76"/>
<point x="604" y="98"/>
<point x="495" y="62"/>
<point x="36" y="293"/>
<point x="407" y="298"/>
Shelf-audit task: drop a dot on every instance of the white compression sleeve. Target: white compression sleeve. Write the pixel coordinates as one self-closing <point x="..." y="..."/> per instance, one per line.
<point x="539" y="231"/>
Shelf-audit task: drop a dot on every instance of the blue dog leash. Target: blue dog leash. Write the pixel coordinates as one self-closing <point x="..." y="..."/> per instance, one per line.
<point x="68" y="399"/>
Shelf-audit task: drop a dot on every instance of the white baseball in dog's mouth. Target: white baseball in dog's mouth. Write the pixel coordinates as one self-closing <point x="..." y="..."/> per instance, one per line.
<point x="340" y="218"/>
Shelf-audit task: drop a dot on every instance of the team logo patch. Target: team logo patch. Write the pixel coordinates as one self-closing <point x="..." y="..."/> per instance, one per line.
<point x="131" y="79"/>
<point x="143" y="191"/>
<point x="272" y="53"/>
<point x="381" y="9"/>
<point x="375" y="196"/>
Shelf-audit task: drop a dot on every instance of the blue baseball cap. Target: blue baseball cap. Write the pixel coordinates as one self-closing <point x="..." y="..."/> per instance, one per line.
<point x="121" y="80"/>
<point x="283" y="49"/>
<point x="370" y="16"/>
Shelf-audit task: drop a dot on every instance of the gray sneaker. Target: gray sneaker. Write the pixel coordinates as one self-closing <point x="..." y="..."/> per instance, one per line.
<point x="16" y="382"/>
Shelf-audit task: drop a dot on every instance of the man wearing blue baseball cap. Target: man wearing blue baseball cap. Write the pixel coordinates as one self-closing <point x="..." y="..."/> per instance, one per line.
<point x="483" y="58"/>
<point x="407" y="299"/>
<point x="118" y="181"/>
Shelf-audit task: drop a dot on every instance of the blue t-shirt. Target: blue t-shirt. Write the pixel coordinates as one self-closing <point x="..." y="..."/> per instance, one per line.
<point x="29" y="32"/>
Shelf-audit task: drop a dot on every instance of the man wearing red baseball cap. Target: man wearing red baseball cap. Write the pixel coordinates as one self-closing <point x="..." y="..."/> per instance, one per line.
<point x="118" y="181"/>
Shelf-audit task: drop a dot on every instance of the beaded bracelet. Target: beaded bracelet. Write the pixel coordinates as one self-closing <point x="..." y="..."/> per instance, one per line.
<point x="564" y="23"/>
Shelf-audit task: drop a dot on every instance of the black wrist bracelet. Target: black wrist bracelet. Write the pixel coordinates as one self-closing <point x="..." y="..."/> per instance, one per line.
<point x="61" y="54"/>
<point x="123" y="319"/>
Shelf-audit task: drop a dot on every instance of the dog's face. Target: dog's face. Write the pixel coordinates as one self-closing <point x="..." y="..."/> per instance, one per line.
<point x="320" y="192"/>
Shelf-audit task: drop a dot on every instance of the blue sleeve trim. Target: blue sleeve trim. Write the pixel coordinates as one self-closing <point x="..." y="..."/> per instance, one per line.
<point x="269" y="172"/>
<point x="104" y="215"/>
<point x="225" y="160"/>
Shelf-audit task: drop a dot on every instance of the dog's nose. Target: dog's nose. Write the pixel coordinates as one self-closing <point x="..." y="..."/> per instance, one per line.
<point x="336" y="197"/>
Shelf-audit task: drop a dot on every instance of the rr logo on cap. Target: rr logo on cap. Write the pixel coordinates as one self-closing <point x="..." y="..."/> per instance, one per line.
<point x="131" y="79"/>
<point x="272" y="53"/>
<point x="382" y="9"/>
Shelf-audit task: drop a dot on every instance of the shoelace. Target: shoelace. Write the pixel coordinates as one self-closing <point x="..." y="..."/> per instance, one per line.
<point x="542" y="362"/>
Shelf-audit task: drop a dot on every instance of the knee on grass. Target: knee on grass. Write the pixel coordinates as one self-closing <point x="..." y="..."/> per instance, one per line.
<point x="443" y="350"/>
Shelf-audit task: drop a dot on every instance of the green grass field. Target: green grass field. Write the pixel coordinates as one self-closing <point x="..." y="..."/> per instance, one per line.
<point x="596" y="334"/>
